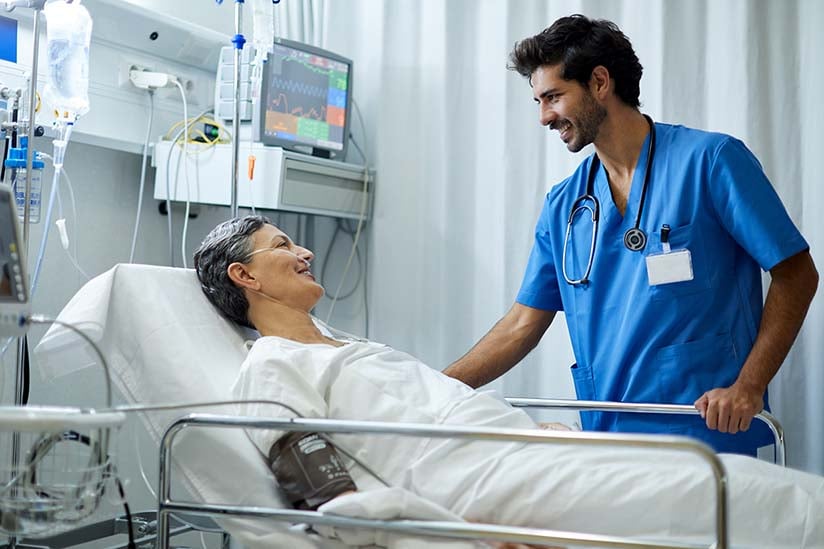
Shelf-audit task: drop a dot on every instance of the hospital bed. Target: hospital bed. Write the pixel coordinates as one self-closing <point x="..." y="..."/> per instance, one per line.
<point x="161" y="338"/>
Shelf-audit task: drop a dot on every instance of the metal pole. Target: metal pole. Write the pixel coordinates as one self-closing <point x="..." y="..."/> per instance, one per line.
<point x="21" y="341"/>
<point x="30" y="129"/>
<point x="164" y="491"/>
<point x="649" y="408"/>
<point x="238" y="41"/>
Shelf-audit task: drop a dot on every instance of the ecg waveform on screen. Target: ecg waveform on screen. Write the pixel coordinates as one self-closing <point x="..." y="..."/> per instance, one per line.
<point x="293" y="86"/>
<point x="310" y="66"/>
<point x="281" y="104"/>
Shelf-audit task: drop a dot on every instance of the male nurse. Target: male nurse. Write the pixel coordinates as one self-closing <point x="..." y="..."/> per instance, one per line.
<point x="653" y="248"/>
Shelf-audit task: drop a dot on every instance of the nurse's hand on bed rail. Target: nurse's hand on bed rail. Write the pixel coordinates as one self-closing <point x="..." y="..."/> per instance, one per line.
<point x="730" y="409"/>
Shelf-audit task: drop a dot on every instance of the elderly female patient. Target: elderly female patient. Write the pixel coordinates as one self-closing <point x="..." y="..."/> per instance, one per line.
<point x="256" y="276"/>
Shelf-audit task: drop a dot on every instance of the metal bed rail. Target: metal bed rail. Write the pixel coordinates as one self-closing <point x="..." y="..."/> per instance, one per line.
<point x="442" y="529"/>
<point x="645" y="408"/>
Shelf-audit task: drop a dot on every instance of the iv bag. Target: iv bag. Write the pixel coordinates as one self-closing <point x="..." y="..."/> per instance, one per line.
<point x="68" y="34"/>
<point x="263" y="33"/>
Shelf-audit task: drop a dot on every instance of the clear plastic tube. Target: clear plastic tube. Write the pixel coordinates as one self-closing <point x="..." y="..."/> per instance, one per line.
<point x="185" y="172"/>
<point x="46" y="228"/>
<point x="142" y="176"/>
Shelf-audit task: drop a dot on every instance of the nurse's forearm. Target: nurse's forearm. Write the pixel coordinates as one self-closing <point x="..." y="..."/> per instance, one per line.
<point x="793" y="285"/>
<point x="509" y="341"/>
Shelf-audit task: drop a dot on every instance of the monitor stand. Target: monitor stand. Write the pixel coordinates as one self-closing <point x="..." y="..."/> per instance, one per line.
<point x="321" y="153"/>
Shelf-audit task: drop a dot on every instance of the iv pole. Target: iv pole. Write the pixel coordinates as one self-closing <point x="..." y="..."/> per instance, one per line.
<point x="238" y="40"/>
<point x="37" y="6"/>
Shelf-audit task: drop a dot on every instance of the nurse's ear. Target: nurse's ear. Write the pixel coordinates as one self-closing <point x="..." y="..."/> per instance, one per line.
<point x="600" y="83"/>
<point x="242" y="278"/>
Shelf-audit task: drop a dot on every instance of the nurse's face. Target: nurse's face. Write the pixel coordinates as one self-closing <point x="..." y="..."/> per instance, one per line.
<point x="567" y="106"/>
<point x="283" y="269"/>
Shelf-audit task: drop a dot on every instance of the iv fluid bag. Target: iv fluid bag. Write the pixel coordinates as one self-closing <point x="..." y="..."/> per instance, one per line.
<point x="68" y="34"/>
<point x="263" y="32"/>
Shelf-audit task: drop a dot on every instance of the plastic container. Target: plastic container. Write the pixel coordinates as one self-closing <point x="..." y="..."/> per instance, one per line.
<point x="68" y="35"/>
<point x="16" y="163"/>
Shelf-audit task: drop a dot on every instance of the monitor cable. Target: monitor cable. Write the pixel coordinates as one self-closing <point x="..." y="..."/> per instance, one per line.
<point x="142" y="174"/>
<point x="361" y="215"/>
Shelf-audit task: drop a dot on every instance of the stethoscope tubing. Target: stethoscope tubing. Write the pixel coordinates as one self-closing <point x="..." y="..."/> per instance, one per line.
<point x="634" y="239"/>
<point x="580" y="204"/>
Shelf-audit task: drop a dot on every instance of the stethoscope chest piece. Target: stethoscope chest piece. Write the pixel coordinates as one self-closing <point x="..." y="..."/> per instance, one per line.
<point x="635" y="239"/>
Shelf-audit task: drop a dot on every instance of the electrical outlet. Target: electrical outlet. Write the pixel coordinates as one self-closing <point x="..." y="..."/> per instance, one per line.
<point x="123" y="74"/>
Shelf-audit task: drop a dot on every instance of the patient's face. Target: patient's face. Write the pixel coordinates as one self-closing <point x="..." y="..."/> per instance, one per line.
<point x="283" y="269"/>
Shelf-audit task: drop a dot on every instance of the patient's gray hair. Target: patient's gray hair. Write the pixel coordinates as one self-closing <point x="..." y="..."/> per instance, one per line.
<point x="227" y="243"/>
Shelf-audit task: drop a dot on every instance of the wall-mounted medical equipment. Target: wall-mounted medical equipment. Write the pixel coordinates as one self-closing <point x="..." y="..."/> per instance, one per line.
<point x="301" y="102"/>
<point x="14" y="293"/>
<point x="15" y="164"/>
<point x="283" y="180"/>
<point x="224" y="85"/>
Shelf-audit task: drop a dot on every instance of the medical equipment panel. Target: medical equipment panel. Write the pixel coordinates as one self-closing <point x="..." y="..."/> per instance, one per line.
<point x="14" y="292"/>
<point x="283" y="180"/>
<point x="224" y="85"/>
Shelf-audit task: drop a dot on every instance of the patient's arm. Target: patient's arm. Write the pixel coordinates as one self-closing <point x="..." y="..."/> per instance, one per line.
<point x="517" y="333"/>
<point x="308" y="470"/>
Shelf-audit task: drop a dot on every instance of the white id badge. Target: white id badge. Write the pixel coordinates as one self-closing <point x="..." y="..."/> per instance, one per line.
<point x="669" y="267"/>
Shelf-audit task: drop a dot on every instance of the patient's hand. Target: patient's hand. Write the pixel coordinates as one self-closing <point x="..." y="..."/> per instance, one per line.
<point x="554" y="426"/>
<point x="509" y="545"/>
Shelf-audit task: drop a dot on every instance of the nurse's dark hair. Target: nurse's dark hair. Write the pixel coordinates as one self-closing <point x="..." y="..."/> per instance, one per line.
<point x="227" y="243"/>
<point x="581" y="44"/>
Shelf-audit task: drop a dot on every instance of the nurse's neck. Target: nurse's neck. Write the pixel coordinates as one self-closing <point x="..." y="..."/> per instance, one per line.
<point x="618" y="144"/>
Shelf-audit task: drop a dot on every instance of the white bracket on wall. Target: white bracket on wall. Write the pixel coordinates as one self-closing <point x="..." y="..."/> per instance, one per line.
<point x="283" y="180"/>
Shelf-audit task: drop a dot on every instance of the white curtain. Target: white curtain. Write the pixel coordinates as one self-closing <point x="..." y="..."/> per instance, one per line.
<point x="463" y="165"/>
<point x="301" y="20"/>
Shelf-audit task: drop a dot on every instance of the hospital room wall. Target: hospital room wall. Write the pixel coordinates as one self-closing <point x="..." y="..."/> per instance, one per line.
<point x="464" y="165"/>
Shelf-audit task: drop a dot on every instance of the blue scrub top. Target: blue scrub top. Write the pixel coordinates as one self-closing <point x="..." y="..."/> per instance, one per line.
<point x="668" y="343"/>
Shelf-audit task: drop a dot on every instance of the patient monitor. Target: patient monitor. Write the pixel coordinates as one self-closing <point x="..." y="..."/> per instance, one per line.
<point x="14" y="292"/>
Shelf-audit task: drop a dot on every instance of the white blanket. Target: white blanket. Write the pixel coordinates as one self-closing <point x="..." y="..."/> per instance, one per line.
<point x="655" y="495"/>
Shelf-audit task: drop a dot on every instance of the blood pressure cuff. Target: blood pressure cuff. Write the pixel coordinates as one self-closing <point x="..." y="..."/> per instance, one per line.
<point x="308" y="470"/>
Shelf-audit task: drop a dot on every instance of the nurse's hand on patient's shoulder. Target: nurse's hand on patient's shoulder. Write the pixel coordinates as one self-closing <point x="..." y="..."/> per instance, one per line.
<point x="730" y="409"/>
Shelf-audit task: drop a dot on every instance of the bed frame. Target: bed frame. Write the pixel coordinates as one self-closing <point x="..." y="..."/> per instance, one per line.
<point x="198" y="516"/>
<point x="459" y="530"/>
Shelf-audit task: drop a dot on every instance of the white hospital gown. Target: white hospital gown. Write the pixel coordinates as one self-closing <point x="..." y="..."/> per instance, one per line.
<point x="655" y="495"/>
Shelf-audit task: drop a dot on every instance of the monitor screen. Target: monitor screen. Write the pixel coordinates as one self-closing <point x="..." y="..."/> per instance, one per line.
<point x="305" y="98"/>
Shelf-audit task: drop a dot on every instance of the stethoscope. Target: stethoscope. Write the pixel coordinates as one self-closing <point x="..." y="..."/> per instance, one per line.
<point x="635" y="239"/>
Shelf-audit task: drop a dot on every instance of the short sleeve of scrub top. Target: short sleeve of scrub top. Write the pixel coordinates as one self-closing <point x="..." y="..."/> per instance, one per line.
<point x="749" y="208"/>
<point x="539" y="288"/>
